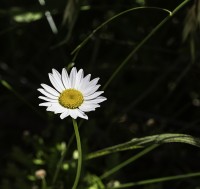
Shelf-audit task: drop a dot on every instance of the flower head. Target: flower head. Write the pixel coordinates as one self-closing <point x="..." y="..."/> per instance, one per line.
<point x="72" y="95"/>
<point x="40" y="174"/>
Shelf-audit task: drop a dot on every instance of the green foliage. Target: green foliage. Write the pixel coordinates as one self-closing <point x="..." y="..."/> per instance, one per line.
<point x="93" y="182"/>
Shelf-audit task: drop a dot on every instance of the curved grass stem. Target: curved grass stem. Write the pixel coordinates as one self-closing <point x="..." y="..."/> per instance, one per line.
<point x="111" y="19"/>
<point x="171" y="14"/>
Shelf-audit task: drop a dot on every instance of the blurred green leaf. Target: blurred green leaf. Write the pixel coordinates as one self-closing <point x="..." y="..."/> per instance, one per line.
<point x="27" y="17"/>
<point x="38" y="162"/>
<point x="31" y="177"/>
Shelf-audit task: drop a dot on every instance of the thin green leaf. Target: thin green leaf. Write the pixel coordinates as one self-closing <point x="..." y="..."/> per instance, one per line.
<point x="156" y="180"/>
<point x="146" y="141"/>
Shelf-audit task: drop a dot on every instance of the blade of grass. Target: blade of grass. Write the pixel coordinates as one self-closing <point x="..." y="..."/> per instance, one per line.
<point x="143" y="42"/>
<point x="145" y="142"/>
<point x="157" y="180"/>
<point x="128" y="161"/>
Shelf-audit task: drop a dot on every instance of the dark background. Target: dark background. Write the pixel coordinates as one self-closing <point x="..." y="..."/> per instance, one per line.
<point x="156" y="92"/>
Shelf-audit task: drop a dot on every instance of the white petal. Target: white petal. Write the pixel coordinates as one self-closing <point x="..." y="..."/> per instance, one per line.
<point x="94" y="95"/>
<point x="89" y="103"/>
<point x="97" y="100"/>
<point x="79" y="78"/>
<point x="50" y="109"/>
<point x="50" y="90"/>
<point x="58" y="79"/>
<point x="87" y="107"/>
<point x="56" y="108"/>
<point x="72" y="77"/>
<point x="94" y="81"/>
<point x="56" y="75"/>
<point x="64" y="114"/>
<point x="87" y="77"/>
<point x="46" y="104"/>
<point x="47" y="99"/>
<point x="73" y="113"/>
<point x="84" y="82"/>
<point x="47" y="94"/>
<point x="81" y="114"/>
<point x="55" y="83"/>
<point x="65" y="79"/>
<point x="90" y="84"/>
<point x="90" y="90"/>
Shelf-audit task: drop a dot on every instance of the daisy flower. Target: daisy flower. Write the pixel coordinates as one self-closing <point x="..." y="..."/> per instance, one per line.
<point x="72" y="95"/>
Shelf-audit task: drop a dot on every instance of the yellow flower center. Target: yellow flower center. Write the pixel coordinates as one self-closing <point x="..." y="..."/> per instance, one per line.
<point x="71" y="98"/>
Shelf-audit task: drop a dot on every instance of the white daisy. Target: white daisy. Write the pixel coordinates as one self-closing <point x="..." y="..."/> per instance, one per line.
<point x="72" y="95"/>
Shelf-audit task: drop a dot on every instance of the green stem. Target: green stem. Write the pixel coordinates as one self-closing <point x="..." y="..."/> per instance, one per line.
<point x="128" y="161"/>
<point x="64" y="153"/>
<point x="78" y="173"/>
<point x="143" y="42"/>
<point x="44" y="184"/>
<point x="157" y="180"/>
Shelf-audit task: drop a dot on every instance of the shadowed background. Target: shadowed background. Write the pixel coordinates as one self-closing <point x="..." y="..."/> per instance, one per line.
<point x="157" y="91"/>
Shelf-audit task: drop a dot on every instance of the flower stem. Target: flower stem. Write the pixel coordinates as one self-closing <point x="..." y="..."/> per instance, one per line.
<point x="78" y="173"/>
<point x="44" y="184"/>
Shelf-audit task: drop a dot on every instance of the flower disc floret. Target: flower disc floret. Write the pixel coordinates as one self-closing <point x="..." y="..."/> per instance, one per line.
<point x="71" y="98"/>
